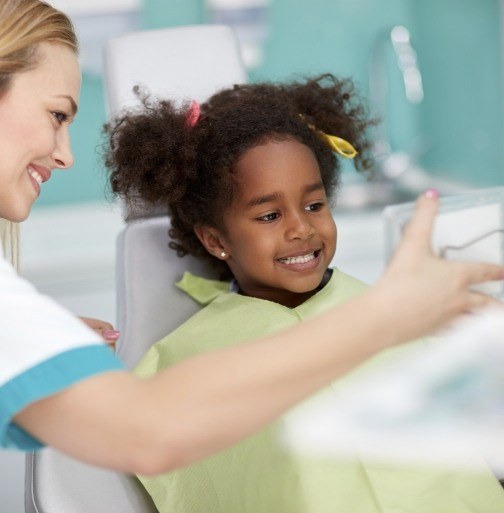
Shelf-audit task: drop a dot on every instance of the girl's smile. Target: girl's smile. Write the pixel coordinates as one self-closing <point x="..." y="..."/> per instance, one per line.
<point x="278" y="235"/>
<point x="302" y="261"/>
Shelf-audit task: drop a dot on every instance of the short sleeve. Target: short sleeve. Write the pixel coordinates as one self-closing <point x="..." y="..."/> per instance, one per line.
<point x="43" y="350"/>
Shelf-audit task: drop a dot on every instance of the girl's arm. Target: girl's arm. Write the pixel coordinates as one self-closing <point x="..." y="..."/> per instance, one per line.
<point x="208" y="402"/>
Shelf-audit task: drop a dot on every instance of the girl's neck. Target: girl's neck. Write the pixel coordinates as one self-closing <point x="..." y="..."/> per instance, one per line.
<point x="286" y="297"/>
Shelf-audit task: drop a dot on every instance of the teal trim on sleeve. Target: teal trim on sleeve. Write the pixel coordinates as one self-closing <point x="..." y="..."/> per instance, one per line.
<point x="45" y="379"/>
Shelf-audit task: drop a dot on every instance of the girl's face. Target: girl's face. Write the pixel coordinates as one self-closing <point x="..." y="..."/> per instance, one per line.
<point x="280" y="236"/>
<point x="35" y="113"/>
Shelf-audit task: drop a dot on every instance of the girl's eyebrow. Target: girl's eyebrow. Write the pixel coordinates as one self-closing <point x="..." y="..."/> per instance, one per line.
<point x="260" y="200"/>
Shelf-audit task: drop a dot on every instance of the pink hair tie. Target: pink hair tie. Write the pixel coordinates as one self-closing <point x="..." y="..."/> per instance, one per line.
<point x="193" y="114"/>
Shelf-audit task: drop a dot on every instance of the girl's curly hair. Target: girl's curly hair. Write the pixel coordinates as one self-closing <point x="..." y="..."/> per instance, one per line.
<point x="154" y="157"/>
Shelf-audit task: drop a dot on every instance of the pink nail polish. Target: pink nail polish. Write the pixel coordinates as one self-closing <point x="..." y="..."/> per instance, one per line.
<point x="432" y="193"/>
<point x="111" y="334"/>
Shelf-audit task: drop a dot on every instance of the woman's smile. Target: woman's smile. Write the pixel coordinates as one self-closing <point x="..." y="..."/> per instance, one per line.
<point x="36" y="112"/>
<point x="38" y="175"/>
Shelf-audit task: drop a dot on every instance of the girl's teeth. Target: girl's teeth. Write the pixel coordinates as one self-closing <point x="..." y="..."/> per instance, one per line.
<point x="298" y="260"/>
<point x="35" y="175"/>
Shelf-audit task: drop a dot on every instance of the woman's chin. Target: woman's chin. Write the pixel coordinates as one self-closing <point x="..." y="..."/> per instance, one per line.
<point x="17" y="214"/>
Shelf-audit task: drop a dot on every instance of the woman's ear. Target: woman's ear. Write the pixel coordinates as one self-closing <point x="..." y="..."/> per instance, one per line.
<point x="212" y="240"/>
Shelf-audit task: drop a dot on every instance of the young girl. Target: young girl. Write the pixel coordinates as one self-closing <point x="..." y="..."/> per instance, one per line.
<point x="248" y="179"/>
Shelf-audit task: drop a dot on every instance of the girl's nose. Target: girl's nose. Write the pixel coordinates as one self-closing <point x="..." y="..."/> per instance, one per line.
<point x="299" y="228"/>
<point x="62" y="154"/>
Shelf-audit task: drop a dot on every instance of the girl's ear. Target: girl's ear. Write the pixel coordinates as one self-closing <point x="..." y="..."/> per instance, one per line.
<point x="212" y="240"/>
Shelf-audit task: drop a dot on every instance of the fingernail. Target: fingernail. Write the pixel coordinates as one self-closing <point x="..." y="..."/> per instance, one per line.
<point x="432" y="193"/>
<point x="111" y="334"/>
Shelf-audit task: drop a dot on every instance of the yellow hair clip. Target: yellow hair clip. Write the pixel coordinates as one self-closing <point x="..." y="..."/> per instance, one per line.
<point x="339" y="145"/>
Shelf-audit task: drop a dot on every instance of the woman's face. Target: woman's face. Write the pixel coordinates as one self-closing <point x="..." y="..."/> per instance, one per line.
<point x="35" y="113"/>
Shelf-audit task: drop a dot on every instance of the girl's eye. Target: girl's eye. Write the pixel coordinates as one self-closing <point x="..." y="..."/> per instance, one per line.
<point x="272" y="216"/>
<point x="314" y="207"/>
<point x="60" y="117"/>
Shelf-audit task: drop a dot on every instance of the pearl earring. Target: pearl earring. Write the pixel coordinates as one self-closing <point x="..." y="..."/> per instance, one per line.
<point x="223" y="254"/>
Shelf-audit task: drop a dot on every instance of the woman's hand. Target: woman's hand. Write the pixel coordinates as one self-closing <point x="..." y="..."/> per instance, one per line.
<point x="429" y="290"/>
<point x="104" y="329"/>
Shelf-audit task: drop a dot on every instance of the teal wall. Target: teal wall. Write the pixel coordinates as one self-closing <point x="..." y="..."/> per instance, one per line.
<point x="458" y="43"/>
<point x="460" y="48"/>
<point x="86" y="180"/>
<point x="170" y="13"/>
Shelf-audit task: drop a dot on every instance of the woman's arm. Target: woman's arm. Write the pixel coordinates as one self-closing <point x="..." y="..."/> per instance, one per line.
<point x="206" y="403"/>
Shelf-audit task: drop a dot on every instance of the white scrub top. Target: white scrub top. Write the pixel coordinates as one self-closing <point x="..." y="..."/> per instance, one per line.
<point x="43" y="350"/>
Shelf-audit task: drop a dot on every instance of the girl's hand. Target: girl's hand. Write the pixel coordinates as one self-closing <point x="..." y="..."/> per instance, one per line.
<point x="104" y="329"/>
<point x="429" y="290"/>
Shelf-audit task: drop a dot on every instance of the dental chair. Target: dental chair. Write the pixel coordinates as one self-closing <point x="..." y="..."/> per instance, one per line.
<point x="184" y="63"/>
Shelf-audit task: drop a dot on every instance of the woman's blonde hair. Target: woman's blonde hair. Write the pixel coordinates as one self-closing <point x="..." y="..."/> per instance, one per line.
<point x="24" y="25"/>
<point x="9" y="240"/>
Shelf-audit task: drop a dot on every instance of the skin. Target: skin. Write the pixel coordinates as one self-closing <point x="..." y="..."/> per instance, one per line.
<point x="280" y="212"/>
<point x="209" y="402"/>
<point x="202" y="405"/>
<point x="104" y="329"/>
<point x="36" y="112"/>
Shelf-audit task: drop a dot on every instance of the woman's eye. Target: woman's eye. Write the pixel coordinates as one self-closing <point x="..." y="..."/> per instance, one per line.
<point x="60" y="117"/>
<point x="269" y="217"/>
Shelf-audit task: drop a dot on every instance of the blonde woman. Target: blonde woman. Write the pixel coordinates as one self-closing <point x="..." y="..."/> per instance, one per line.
<point x="59" y="384"/>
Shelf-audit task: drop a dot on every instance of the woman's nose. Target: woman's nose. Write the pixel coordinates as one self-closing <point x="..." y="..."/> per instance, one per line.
<point x="62" y="154"/>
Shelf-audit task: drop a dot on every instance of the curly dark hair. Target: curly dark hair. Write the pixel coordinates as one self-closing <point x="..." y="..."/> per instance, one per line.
<point x="153" y="157"/>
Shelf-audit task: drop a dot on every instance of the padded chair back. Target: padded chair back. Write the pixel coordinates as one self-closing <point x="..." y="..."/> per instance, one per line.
<point x="149" y="306"/>
<point x="182" y="63"/>
<point x="55" y="483"/>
